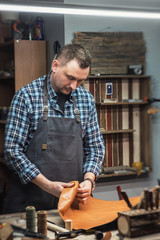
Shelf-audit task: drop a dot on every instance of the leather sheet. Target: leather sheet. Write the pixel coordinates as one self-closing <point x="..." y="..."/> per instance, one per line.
<point x="92" y="214"/>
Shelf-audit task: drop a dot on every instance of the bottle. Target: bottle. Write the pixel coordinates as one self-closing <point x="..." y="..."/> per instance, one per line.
<point x="39" y="29"/>
<point x="31" y="32"/>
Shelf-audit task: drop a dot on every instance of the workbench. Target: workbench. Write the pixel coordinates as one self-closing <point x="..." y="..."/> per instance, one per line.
<point x="19" y="219"/>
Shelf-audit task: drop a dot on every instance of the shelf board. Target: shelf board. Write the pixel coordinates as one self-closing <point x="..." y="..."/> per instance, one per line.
<point x="118" y="174"/>
<point x="7" y="43"/>
<point x="117" y="131"/>
<point x="8" y="77"/>
<point x="114" y="76"/>
<point x="2" y="121"/>
<point x="122" y="103"/>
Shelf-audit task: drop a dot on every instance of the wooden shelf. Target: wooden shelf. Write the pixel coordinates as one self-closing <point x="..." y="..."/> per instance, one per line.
<point x="2" y="121"/>
<point x="122" y="103"/>
<point x="127" y="76"/>
<point x="118" y="174"/>
<point x="8" y="43"/>
<point x="126" y="126"/>
<point x="121" y="176"/>
<point x="117" y="131"/>
<point x="7" y="77"/>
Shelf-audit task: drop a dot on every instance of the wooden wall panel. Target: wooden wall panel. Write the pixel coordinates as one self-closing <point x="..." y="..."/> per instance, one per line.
<point x="30" y="61"/>
<point x="112" y="52"/>
<point x="124" y="125"/>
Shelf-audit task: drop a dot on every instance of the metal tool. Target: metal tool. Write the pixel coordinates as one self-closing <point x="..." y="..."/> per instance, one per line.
<point x="70" y="234"/>
<point x="28" y="233"/>
<point x="99" y="235"/>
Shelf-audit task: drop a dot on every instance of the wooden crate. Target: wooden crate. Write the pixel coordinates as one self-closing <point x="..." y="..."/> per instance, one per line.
<point x="138" y="222"/>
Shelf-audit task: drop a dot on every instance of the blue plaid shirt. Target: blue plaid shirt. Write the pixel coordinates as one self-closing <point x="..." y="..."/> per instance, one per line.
<point x="25" y="112"/>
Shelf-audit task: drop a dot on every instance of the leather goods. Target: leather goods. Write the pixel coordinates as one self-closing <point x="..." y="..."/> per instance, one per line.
<point x="92" y="214"/>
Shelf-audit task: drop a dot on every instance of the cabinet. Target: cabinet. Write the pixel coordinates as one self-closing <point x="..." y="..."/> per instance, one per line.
<point x="123" y="119"/>
<point x="21" y="61"/>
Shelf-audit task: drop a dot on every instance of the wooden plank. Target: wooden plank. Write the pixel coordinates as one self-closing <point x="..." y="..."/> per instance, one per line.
<point x="112" y="52"/>
<point x="115" y="124"/>
<point x="27" y="71"/>
<point x="125" y="122"/>
<point x="136" y="122"/>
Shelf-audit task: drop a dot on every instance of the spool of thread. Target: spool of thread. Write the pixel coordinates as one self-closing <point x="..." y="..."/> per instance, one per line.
<point x="68" y="224"/>
<point x="42" y="222"/>
<point x="31" y="218"/>
<point x="137" y="165"/>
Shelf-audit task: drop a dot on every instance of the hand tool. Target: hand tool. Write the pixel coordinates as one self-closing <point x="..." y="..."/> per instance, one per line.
<point x="69" y="234"/>
<point x="126" y="199"/>
<point x="28" y="233"/>
<point x="56" y="228"/>
<point x="99" y="235"/>
<point x="146" y="198"/>
<point x="151" y="100"/>
<point x="74" y="233"/>
<point x="119" y="192"/>
<point x="107" y="236"/>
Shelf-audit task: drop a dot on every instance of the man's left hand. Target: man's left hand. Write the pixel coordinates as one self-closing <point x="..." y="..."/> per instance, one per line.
<point x="84" y="191"/>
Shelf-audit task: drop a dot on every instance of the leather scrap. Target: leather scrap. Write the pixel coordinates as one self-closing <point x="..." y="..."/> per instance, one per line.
<point x="94" y="213"/>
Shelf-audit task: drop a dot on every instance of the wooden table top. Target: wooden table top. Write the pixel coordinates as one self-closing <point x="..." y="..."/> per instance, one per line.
<point x="19" y="219"/>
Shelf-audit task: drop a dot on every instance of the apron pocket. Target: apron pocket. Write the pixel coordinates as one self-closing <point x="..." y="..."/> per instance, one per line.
<point x="61" y="146"/>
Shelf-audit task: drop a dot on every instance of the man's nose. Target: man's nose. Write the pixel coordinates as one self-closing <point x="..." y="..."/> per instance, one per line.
<point x="73" y="85"/>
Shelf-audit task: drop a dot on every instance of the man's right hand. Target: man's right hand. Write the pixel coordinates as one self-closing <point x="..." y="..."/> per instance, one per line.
<point x="54" y="188"/>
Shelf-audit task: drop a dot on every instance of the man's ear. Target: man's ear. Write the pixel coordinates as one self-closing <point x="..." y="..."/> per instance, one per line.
<point x="55" y="65"/>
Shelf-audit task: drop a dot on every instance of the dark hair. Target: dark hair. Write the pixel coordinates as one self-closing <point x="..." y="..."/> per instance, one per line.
<point x="74" y="51"/>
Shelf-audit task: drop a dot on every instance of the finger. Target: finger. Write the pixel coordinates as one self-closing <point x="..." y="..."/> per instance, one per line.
<point x="82" y="195"/>
<point x="67" y="185"/>
<point x="82" y="200"/>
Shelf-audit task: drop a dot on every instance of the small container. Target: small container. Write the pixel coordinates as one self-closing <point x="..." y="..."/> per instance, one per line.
<point x="29" y="32"/>
<point x="4" y="113"/>
<point x="39" y="29"/>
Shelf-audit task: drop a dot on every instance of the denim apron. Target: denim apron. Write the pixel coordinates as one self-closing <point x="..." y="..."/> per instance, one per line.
<point x="57" y="150"/>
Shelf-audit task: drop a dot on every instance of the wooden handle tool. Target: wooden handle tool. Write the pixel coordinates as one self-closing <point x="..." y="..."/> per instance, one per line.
<point x="55" y="228"/>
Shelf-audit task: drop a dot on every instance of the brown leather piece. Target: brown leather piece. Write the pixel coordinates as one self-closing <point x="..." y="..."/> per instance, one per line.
<point x="92" y="214"/>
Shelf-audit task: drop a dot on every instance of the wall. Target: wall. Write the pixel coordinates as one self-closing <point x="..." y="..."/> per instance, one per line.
<point x="151" y="30"/>
<point x="53" y="28"/>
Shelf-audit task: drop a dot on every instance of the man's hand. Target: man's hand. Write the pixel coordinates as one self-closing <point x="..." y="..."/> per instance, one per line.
<point x="54" y="188"/>
<point x="84" y="191"/>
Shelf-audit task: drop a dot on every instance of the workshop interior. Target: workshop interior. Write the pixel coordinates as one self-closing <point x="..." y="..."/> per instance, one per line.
<point x="123" y="38"/>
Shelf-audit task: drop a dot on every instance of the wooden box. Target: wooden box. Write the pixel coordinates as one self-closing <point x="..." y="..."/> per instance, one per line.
<point x="138" y="222"/>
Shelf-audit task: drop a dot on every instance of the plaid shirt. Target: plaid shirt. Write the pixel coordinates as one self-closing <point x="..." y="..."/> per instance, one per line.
<point x="23" y="118"/>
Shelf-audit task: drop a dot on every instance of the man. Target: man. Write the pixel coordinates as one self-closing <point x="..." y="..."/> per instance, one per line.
<point x="53" y="136"/>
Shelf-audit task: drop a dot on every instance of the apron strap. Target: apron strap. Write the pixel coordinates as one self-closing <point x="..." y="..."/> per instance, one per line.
<point x="45" y="102"/>
<point x="76" y="111"/>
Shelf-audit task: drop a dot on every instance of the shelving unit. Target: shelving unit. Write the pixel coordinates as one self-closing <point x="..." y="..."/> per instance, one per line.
<point x="124" y="122"/>
<point x="23" y="61"/>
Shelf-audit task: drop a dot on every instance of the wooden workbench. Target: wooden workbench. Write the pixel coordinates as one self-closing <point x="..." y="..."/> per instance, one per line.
<point x="18" y="219"/>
